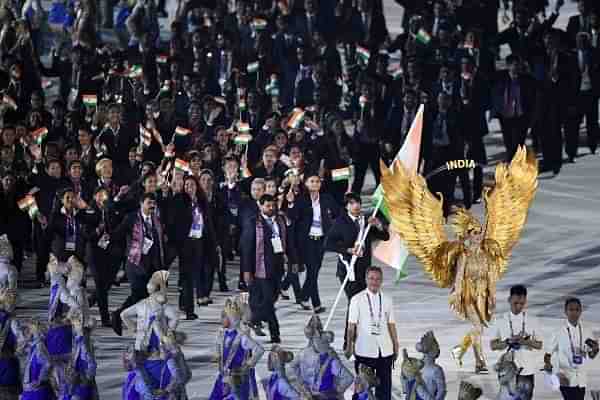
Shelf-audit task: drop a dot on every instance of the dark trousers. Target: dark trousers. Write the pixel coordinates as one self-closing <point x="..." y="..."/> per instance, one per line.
<point x="291" y="279"/>
<point x="514" y="133"/>
<point x="368" y="156"/>
<point x="104" y="269"/>
<point x="138" y="279"/>
<point x="587" y="106"/>
<point x="18" y="246"/>
<point x="476" y="151"/>
<point x="551" y="137"/>
<point x="313" y="260"/>
<point x="383" y="371"/>
<point x="42" y="251"/>
<point x="263" y="294"/>
<point x="572" y="393"/>
<point x="191" y="263"/>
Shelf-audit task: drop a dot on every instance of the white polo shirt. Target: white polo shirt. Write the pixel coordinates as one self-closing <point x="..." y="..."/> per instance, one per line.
<point x="372" y="313"/>
<point x="510" y="324"/>
<point x="567" y="339"/>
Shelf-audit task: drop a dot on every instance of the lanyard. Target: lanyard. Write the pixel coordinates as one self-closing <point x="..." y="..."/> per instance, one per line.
<point x="571" y="339"/>
<point x="512" y="333"/>
<point x="371" y="308"/>
<point x="71" y="227"/>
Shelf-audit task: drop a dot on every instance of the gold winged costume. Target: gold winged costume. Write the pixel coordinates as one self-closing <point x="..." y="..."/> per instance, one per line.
<point x="472" y="264"/>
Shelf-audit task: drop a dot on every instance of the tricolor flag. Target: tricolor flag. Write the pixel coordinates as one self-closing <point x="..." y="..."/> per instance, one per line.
<point x="283" y="7"/>
<point x="341" y="174"/>
<point x="180" y="131"/>
<point x="243" y="127"/>
<point x="363" y="53"/>
<point x="243" y="139"/>
<point x="259" y="24"/>
<point x="135" y="72"/>
<point x="182" y="165"/>
<point x="362" y="101"/>
<point x="245" y="172"/>
<point x="252" y="67"/>
<point x="90" y="100"/>
<point x="33" y="211"/>
<point x="397" y="74"/>
<point x="242" y="104"/>
<point x="146" y="136"/>
<point x="39" y="135"/>
<point x="296" y="118"/>
<point x="26" y="202"/>
<point x="9" y="102"/>
<point x="162" y="59"/>
<point x="423" y="36"/>
<point x="393" y="252"/>
<point x="166" y="86"/>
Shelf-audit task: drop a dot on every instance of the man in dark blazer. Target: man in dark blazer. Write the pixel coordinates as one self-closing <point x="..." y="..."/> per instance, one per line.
<point x="580" y="22"/>
<point x="343" y="238"/>
<point x="266" y="248"/>
<point x="313" y="215"/>
<point x="144" y="252"/>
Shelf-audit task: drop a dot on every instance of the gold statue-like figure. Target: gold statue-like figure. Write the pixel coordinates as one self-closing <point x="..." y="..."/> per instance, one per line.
<point x="472" y="264"/>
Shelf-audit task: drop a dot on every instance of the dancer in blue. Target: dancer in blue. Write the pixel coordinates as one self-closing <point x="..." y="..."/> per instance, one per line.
<point x="237" y="355"/>
<point x="36" y="372"/>
<point x="277" y="386"/>
<point x="10" y="332"/>
<point x="319" y="371"/>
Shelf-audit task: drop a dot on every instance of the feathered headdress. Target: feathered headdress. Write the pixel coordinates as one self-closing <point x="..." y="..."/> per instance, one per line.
<point x="6" y="250"/>
<point x="464" y="223"/>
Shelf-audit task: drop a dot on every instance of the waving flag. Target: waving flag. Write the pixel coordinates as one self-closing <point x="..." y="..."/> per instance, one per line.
<point x="393" y="252"/>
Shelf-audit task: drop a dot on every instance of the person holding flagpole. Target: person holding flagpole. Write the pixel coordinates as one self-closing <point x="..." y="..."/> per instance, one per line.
<point x="346" y="237"/>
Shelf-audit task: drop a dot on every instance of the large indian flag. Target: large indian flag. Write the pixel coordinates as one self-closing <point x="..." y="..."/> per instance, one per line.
<point x="393" y="252"/>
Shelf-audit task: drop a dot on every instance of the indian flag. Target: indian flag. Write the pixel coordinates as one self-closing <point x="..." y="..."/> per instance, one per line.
<point x="39" y="135"/>
<point x="423" y="36"/>
<point x="296" y="118"/>
<point x="341" y="174"/>
<point x="179" y="131"/>
<point x="362" y="101"/>
<point x="90" y="100"/>
<point x="9" y="101"/>
<point x="397" y="74"/>
<point x="363" y="53"/>
<point x="135" y="72"/>
<point x="243" y="127"/>
<point x="33" y="211"/>
<point x="252" y="67"/>
<point x="166" y="86"/>
<point x="259" y="24"/>
<point x="245" y="172"/>
<point x="283" y="7"/>
<point x="242" y="139"/>
<point x="393" y="252"/>
<point x="26" y="202"/>
<point x="162" y="59"/>
<point x="182" y="165"/>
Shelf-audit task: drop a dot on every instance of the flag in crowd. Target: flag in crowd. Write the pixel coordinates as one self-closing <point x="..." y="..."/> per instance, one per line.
<point x="182" y="165"/>
<point x="242" y="139"/>
<point x="296" y="118"/>
<point x="90" y="100"/>
<point x="341" y="174"/>
<point x="39" y="135"/>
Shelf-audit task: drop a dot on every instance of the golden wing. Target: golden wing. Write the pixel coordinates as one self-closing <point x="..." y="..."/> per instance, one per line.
<point x="507" y="205"/>
<point x="417" y="216"/>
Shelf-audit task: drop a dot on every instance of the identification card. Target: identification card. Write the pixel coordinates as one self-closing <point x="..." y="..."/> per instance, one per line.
<point x="103" y="242"/>
<point x="147" y="245"/>
<point x="277" y="246"/>
<point x="70" y="245"/>
<point x="196" y="233"/>
<point x="577" y="357"/>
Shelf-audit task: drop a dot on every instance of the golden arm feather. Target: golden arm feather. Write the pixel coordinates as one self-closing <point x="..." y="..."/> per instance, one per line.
<point x="417" y="216"/>
<point x="507" y="205"/>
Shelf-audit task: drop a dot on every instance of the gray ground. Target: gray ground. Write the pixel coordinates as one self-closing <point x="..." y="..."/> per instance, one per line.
<point x="558" y="256"/>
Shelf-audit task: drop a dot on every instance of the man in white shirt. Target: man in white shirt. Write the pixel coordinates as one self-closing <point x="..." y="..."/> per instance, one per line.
<point x="518" y="332"/>
<point x="570" y="351"/>
<point x="372" y="336"/>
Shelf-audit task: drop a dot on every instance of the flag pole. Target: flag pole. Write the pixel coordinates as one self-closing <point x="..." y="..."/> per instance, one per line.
<point x="351" y="266"/>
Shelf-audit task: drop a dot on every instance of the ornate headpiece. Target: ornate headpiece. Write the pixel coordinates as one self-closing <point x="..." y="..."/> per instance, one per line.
<point x="6" y="250"/>
<point x="76" y="270"/>
<point x="314" y="327"/>
<point x="411" y="366"/>
<point x="278" y="357"/>
<point x="507" y="364"/>
<point x="465" y="223"/>
<point x="366" y="376"/>
<point x="158" y="283"/>
<point x="429" y="345"/>
<point x="233" y="310"/>
<point x="468" y="392"/>
<point x="8" y="299"/>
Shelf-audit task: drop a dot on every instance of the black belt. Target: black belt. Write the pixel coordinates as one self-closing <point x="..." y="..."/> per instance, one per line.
<point x="313" y="237"/>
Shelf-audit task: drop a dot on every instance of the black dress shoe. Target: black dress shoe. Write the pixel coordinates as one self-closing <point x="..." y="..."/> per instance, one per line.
<point x="320" y="310"/>
<point x="106" y="323"/>
<point x="190" y="316"/>
<point x="275" y="340"/>
<point x="284" y="296"/>
<point x="223" y="287"/>
<point x="116" y="323"/>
